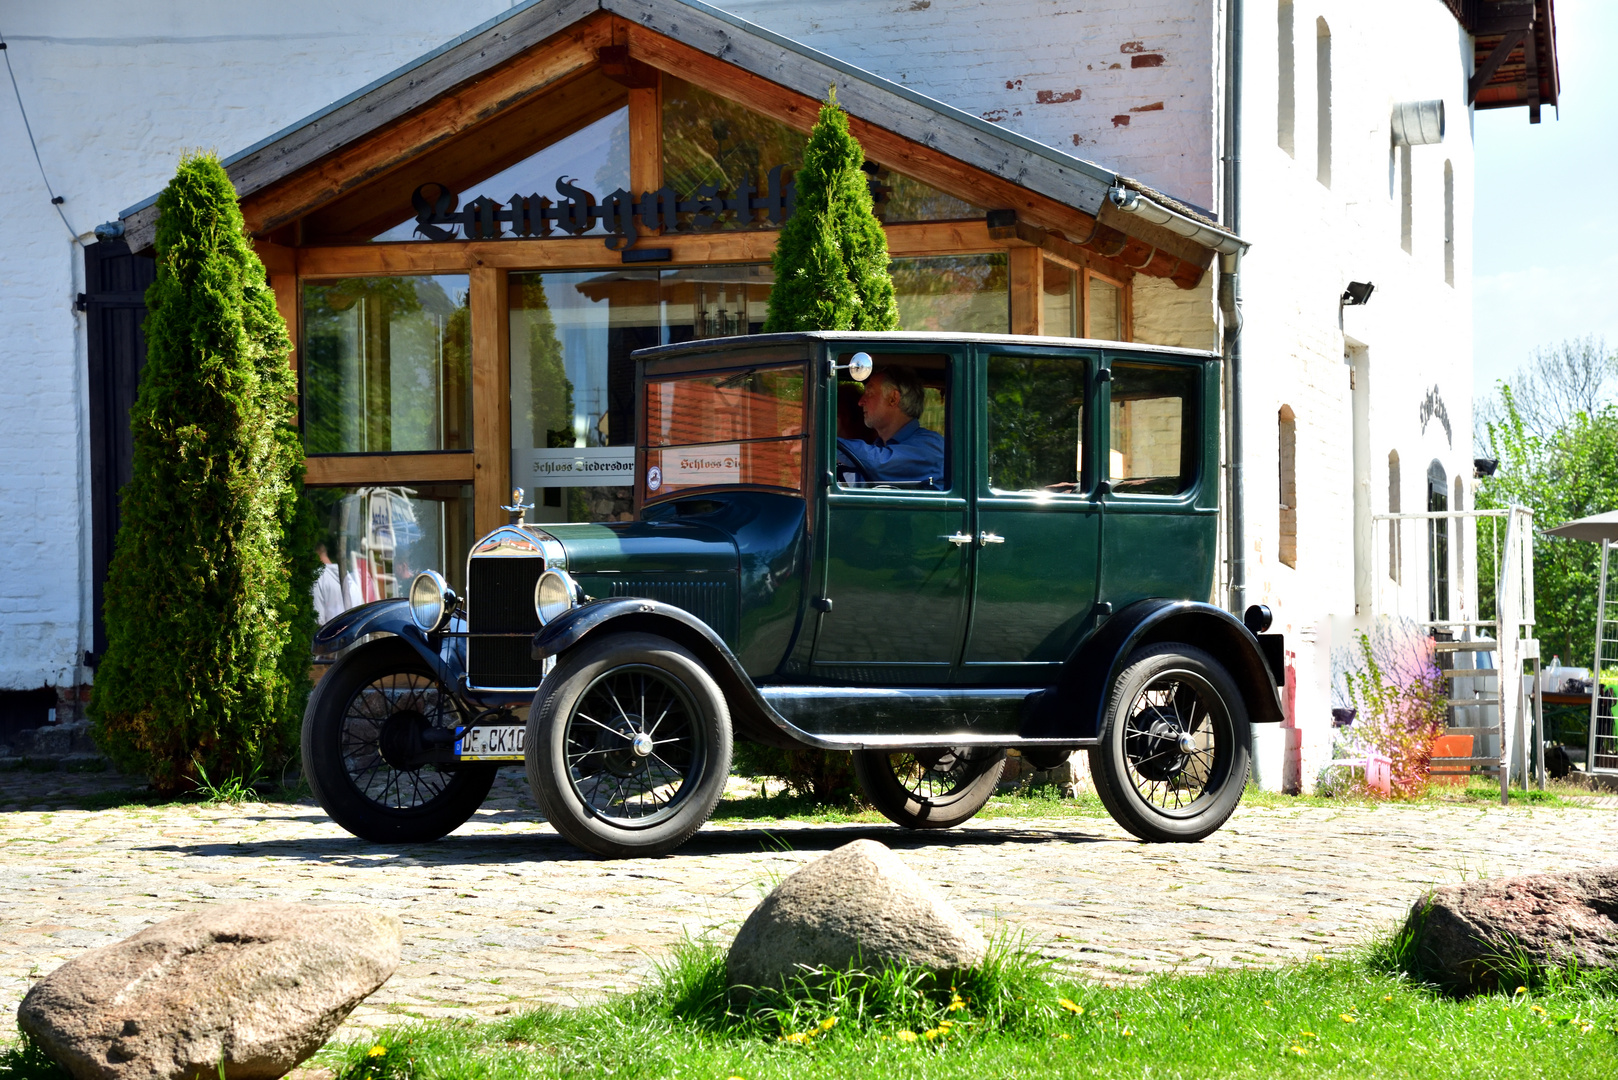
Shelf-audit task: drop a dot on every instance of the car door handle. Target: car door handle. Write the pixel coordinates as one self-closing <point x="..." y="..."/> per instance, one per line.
<point x="987" y="538"/>
<point x="958" y="538"/>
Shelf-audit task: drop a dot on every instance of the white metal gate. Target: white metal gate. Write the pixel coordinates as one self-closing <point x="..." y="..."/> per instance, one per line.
<point x="1603" y="753"/>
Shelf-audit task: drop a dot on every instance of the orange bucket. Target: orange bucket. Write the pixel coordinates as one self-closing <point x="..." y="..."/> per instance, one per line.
<point x="1450" y="746"/>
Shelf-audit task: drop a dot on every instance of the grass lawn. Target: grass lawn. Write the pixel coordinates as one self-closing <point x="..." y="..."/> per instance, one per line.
<point x="1332" y="1017"/>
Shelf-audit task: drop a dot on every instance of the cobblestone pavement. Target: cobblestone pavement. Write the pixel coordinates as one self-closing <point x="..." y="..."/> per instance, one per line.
<point x="504" y="912"/>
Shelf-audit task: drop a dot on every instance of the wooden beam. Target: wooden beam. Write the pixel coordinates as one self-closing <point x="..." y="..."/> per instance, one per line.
<point x="281" y="263"/>
<point x="1027" y="290"/>
<point x="372" y="154"/>
<point x="625" y="70"/>
<point x="556" y="253"/>
<point x="1487" y="69"/>
<point x="646" y="136"/>
<point x="358" y="470"/>
<point x="491" y="397"/>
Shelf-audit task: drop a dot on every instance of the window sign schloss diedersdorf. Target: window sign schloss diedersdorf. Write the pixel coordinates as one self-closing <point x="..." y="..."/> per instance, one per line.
<point x="576" y="212"/>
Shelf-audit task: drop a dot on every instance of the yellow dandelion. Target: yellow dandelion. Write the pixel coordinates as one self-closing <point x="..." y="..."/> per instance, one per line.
<point x="1522" y="989"/>
<point x="828" y="1023"/>
<point x="1307" y="1034"/>
<point x="377" y="1051"/>
<point x="796" y="1037"/>
<point x="1070" y="1006"/>
<point x="932" y="1033"/>
<point x="1387" y="997"/>
<point x="906" y="1036"/>
<point x="1300" y="1051"/>
<point x="1065" y="1035"/>
<point x="956" y="1004"/>
<point x="1266" y="1001"/>
<point x="1540" y="1009"/>
<point x="1347" y="1019"/>
<point x="1126" y="1031"/>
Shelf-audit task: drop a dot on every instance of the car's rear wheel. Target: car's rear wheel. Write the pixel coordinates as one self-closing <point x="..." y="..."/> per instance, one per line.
<point x="1173" y="757"/>
<point x="363" y="730"/>
<point x="929" y="789"/>
<point x="628" y="746"/>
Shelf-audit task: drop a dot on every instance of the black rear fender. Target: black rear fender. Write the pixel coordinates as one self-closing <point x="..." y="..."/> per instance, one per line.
<point x="750" y="716"/>
<point x="1074" y="707"/>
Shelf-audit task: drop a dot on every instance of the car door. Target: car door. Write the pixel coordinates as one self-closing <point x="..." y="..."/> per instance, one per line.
<point x="1161" y="497"/>
<point x="1036" y="521"/>
<point x="894" y="556"/>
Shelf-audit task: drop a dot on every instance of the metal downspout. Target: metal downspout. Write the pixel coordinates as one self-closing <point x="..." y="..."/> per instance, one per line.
<point x="1230" y="304"/>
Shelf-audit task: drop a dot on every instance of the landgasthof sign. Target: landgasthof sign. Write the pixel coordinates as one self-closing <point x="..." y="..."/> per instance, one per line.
<point x="568" y="466"/>
<point x="696" y="466"/>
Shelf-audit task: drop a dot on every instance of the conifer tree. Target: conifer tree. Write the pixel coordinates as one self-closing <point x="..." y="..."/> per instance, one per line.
<point x="208" y="604"/>
<point x="831" y="261"/>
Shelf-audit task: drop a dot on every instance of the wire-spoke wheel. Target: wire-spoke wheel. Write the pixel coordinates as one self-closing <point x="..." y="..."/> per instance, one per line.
<point x="628" y="746"/>
<point x="363" y="737"/>
<point x="929" y="789"/>
<point x="1173" y="757"/>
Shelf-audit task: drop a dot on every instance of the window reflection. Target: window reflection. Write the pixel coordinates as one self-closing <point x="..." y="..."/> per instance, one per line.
<point x="1154" y="445"/>
<point x="965" y="293"/>
<point x="572" y="381"/>
<point x="710" y="140"/>
<point x="375" y="540"/>
<point x="385" y="365"/>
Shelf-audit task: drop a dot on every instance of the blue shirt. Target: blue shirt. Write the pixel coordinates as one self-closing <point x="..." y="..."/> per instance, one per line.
<point x="913" y="455"/>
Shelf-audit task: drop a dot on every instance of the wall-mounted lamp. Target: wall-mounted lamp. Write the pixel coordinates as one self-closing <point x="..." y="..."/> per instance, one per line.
<point x="1357" y="293"/>
<point x="1484" y="466"/>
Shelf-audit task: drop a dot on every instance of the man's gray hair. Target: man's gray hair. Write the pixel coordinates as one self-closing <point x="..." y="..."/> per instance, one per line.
<point x="912" y="395"/>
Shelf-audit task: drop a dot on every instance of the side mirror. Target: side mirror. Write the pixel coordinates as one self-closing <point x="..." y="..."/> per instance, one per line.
<point x="859" y="367"/>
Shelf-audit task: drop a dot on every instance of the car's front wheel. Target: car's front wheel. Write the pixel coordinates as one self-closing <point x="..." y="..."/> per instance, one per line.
<point x="363" y="736"/>
<point x="929" y="789"/>
<point x="628" y="746"/>
<point x="1173" y="758"/>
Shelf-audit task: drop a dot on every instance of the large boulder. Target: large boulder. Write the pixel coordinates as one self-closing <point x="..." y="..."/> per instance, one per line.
<point x="1475" y="937"/>
<point x="244" y="991"/>
<point x="856" y="907"/>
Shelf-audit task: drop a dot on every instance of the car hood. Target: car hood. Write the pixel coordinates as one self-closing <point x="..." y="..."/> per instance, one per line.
<point x="645" y="547"/>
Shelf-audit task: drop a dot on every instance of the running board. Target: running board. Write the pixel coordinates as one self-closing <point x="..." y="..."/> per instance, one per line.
<point x="885" y="718"/>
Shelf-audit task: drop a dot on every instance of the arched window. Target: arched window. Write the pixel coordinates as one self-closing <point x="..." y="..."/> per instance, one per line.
<point x="1393" y="508"/>
<point x="1437" y="544"/>
<point x="1288" y="457"/>
<point x="1322" y="102"/>
<point x="1459" y="539"/>
<point x="1449" y="227"/>
<point x="1286" y="90"/>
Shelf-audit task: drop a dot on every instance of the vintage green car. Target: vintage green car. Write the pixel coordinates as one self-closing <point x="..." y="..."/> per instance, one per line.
<point x="930" y="550"/>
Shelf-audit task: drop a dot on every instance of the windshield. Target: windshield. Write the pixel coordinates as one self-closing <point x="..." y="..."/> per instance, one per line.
<point x="741" y="427"/>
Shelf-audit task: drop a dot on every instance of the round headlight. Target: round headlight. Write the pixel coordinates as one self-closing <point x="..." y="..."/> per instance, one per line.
<point x="431" y="601"/>
<point x="554" y="594"/>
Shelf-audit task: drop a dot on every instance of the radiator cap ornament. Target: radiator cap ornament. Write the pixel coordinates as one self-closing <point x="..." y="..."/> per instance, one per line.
<point x="517" y="507"/>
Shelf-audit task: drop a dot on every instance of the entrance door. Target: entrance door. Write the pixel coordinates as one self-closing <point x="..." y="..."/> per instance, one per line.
<point x="1037" y="524"/>
<point x="896" y="546"/>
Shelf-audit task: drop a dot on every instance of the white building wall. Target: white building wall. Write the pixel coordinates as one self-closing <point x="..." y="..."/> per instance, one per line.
<point x="1309" y="241"/>
<point x="114" y="92"/>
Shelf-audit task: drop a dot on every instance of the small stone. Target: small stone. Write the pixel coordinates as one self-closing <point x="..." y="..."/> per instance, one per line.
<point x="1469" y="937"/>
<point x="242" y="991"/>
<point x="859" y="907"/>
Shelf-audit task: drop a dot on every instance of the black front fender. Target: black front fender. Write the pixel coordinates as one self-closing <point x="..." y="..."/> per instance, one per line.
<point x="380" y="617"/>
<point x="751" y="715"/>
<point x="1075" y="706"/>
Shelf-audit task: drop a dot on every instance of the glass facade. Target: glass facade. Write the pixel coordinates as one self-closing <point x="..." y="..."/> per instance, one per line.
<point x="1060" y="301"/>
<point x="596" y="158"/>
<point x="710" y="141"/>
<point x="572" y="381"/>
<point x="1105" y="312"/>
<point x="903" y="198"/>
<point x="965" y="293"/>
<point x="386" y="365"/>
<point x="375" y="540"/>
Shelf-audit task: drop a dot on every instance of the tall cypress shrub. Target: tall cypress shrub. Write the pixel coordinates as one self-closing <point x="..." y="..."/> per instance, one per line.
<point x="208" y="604"/>
<point x="831" y="261"/>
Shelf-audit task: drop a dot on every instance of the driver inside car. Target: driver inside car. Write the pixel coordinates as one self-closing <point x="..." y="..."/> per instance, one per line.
<point x="904" y="452"/>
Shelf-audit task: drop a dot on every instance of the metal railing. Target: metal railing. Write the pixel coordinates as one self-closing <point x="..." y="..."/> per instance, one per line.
<point x="1477" y="598"/>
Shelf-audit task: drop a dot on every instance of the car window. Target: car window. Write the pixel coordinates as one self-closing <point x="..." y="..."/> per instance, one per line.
<point x="1153" y="445"/>
<point x="1035" y="424"/>
<point x="893" y="429"/>
<point x="738" y="427"/>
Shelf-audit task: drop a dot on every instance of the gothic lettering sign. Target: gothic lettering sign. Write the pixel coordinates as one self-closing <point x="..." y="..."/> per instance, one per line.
<point x="576" y="211"/>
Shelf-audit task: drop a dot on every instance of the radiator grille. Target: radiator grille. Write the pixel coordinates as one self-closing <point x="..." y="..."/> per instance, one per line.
<point x="714" y="602"/>
<point x="500" y="600"/>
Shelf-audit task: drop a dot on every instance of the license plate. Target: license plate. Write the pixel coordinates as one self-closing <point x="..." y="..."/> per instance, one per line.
<point x="491" y="742"/>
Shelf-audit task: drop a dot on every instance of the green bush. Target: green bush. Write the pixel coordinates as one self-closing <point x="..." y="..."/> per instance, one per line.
<point x="827" y="776"/>
<point x="831" y="261"/>
<point x="208" y="605"/>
